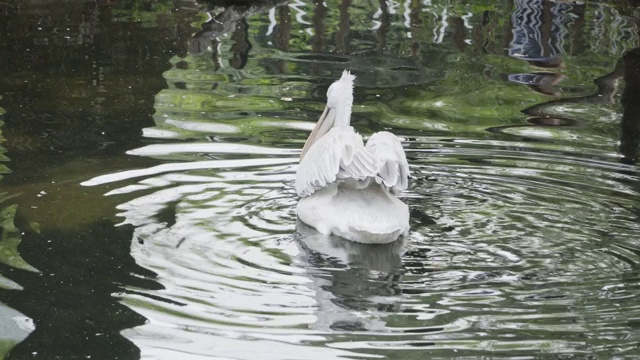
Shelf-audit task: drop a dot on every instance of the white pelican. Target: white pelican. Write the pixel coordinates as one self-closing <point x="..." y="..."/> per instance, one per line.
<point x="347" y="188"/>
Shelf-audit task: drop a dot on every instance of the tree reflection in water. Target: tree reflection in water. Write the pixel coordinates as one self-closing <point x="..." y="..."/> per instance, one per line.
<point x="80" y="86"/>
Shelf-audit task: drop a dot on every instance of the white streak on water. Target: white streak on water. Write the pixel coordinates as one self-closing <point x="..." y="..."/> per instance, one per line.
<point x="164" y="168"/>
<point x="218" y="148"/>
<point x="272" y="21"/>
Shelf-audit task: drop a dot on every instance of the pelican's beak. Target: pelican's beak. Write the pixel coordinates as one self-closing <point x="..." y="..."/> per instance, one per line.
<point x="325" y="123"/>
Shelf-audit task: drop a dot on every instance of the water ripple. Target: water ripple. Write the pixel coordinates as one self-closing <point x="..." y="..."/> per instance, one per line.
<point x="503" y="243"/>
<point x="523" y="229"/>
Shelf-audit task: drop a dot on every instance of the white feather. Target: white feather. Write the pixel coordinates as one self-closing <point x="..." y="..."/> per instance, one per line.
<point x="347" y="188"/>
<point x="393" y="169"/>
<point x="369" y="215"/>
<point x="338" y="155"/>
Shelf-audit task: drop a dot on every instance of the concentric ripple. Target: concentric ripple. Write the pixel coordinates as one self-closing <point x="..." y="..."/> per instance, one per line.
<point x="524" y="225"/>
<point x="501" y="259"/>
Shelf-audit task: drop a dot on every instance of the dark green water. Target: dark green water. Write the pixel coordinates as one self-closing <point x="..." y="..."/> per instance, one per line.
<point x="149" y="150"/>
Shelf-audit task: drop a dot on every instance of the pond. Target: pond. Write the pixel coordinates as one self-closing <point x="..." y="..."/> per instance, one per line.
<point x="149" y="151"/>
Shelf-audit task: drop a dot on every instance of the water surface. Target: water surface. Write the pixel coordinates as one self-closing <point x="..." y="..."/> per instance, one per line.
<point x="155" y="208"/>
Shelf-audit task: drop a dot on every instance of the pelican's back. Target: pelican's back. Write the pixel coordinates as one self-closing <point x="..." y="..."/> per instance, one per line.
<point x="347" y="188"/>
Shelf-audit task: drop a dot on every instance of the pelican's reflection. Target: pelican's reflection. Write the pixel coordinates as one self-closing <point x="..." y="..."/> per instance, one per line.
<point x="356" y="285"/>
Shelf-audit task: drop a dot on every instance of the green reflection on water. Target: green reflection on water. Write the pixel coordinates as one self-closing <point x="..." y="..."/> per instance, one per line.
<point x="424" y="73"/>
<point x="10" y="237"/>
<point x="416" y="82"/>
<point x="10" y="240"/>
<point x="495" y="182"/>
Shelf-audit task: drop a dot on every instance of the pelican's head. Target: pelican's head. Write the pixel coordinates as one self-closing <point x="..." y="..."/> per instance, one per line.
<point x="340" y="94"/>
<point x="338" y="109"/>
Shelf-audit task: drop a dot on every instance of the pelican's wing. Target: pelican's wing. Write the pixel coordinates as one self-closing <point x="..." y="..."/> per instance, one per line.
<point x="339" y="154"/>
<point x="393" y="169"/>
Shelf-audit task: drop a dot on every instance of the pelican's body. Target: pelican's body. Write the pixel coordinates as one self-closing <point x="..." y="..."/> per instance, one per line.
<point x="348" y="188"/>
